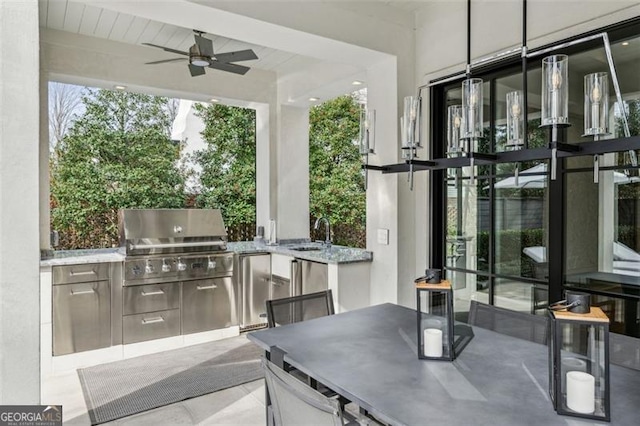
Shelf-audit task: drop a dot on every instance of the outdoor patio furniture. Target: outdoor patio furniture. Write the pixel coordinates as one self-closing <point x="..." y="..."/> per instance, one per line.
<point x="512" y="323"/>
<point x="288" y="310"/>
<point x="369" y="355"/>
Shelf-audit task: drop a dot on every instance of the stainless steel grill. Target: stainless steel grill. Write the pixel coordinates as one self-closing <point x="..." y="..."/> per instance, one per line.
<point x="164" y="245"/>
<point x="178" y="273"/>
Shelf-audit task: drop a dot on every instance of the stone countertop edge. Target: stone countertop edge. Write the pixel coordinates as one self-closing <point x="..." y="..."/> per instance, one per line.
<point x="336" y="255"/>
<point x="76" y="257"/>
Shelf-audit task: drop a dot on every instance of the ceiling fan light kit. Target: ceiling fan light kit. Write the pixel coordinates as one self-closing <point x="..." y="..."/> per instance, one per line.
<point x="201" y="55"/>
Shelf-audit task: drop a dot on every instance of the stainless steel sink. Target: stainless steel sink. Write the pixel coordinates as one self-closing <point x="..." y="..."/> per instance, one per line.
<point x="306" y="248"/>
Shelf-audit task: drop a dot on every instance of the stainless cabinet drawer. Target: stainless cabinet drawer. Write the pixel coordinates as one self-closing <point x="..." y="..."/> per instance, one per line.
<point x="81" y="317"/>
<point x="150" y="326"/>
<point x="138" y="299"/>
<point x="81" y="273"/>
<point x="208" y="305"/>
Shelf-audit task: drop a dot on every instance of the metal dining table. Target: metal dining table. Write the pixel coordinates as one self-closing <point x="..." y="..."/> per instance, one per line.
<point x="370" y="357"/>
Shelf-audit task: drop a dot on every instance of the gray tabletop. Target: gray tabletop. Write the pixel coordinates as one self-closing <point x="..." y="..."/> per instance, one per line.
<point x="370" y="356"/>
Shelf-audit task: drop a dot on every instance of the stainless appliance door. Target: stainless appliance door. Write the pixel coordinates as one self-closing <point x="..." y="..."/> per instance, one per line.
<point x="81" y="317"/>
<point x="280" y="287"/>
<point x="315" y="276"/>
<point x="208" y="305"/>
<point x="255" y="279"/>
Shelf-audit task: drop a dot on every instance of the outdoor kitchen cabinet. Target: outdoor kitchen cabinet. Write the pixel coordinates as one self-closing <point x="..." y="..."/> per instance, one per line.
<point x="150" y="312"/>
<point x="208" y="305"/>
<point x="81" y="308"/>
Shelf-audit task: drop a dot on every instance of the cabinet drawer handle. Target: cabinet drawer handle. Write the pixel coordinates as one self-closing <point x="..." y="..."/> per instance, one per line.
<point x="152" y="293"/>
<point x="278" y="283"/>
<point x="76" y="293"/>
<point x="152" y="320"/>
<point x="75" y="274"/>
<point x="206" y="287"/>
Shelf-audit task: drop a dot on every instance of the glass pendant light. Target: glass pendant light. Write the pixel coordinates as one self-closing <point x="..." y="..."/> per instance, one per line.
<point x="454" y="127"/>
<point x="555" y="90"/>
<point x="515" y="120"/>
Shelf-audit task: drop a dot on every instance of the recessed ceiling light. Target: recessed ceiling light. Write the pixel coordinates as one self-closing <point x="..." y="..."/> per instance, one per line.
<point x="356" y="83"/>
<point x="214" y="100"/>
<point x="625" y="43"/>
<point x="314" y="99"/>
<point x="118" y="87"/>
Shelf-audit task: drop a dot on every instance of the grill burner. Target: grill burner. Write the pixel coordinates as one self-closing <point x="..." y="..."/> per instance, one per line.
<point x="168" y="245"/>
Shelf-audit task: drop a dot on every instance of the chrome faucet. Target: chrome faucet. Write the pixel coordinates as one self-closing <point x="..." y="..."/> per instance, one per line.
<point x="327" y="229"/>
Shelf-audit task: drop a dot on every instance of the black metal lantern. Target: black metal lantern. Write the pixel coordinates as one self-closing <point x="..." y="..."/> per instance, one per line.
<point x="434" y="303"/>
<point x="579" y="363"/>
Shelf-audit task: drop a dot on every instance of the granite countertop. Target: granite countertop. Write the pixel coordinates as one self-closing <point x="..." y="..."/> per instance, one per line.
<point x="334" y="254"/>
<point x="75" y="257"/>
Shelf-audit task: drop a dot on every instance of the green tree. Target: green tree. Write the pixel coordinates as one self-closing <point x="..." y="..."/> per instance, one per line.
<point x="117" y="155"/>
<point x="336" y="182"/>
<point x="228" y="162"/>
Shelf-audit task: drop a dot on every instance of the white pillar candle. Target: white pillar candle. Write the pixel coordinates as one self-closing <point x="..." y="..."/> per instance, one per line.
<point x="433" y="342"/>
<point x="581" y="392"/>
<point x="572" y="364"/>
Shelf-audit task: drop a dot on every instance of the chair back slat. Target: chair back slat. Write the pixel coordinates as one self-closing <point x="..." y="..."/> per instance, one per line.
<point x="511" y="323"/>
<point x="293" y="309"/>
<point x="295" y="403"/>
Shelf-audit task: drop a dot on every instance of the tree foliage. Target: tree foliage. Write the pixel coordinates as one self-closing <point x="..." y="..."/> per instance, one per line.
<point x="336" y="183"/>
<point x="64" y="103"/>
<point x="117" y="155"/>
<point x="228" y="178"/>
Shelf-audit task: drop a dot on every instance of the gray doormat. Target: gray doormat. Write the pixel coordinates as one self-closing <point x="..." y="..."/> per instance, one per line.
<point x="130" y="386"/>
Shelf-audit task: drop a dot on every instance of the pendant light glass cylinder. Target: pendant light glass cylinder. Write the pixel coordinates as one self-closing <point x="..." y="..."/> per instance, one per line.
<point x="454" y="128"/>
<point x="472" y="102"/>
<point x="596" y="104"/>
<point x="555" y="90"/>
<point x="515" y="120"/>
<point x="410" y="123"/>
<point x="367" y="131"/>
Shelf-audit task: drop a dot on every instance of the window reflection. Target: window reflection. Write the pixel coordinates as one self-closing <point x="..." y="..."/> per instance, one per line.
<point x="520" y="223"/>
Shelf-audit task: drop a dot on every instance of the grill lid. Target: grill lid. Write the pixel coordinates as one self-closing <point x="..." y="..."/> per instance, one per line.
<point x="156" y="231"/>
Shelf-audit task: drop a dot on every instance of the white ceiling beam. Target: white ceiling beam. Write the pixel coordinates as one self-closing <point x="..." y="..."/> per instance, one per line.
<point x="187" y="14"/>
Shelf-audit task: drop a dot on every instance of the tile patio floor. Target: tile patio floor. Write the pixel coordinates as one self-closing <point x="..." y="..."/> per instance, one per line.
<point x="239" y="405"/>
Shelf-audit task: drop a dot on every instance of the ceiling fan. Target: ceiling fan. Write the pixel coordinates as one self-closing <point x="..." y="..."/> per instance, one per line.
<point x="201" y="55"/>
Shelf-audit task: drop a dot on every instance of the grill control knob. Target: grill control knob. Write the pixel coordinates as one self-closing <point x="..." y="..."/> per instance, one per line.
<point x="148" y="268"/>
<point x="165" y="266"/>
<point x="211" y="264"/>
<point x="181" y="265"/>
<point x="136" y="270"/>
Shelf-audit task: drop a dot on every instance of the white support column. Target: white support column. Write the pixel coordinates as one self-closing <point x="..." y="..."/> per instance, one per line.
<point x="382" y="190"/>
<point x="19" y="203"/>
<point x="293" y="173"/>
<point x="265" y="166"/>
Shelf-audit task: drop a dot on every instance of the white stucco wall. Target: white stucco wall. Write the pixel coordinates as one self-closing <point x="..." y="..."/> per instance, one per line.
<point x="19" y="203"/>
<point x="496" y="25"/>
<point x="293" y="173"/>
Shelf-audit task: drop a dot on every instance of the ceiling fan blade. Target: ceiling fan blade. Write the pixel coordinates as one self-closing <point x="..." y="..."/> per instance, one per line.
<point x="223" y="66"/>
<point x="195" y="70"/>
<point x="165" y="60"/>
<point x="240" y="55"/>
<point x="205" y="45"/>
<point x="167" y="49"/>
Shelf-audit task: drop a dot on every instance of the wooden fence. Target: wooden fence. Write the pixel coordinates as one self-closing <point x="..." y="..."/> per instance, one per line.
<point x="344" y="235"/>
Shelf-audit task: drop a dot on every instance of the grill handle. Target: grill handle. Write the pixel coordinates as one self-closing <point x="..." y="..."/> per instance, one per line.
<point x="152" y="293"/>
<point x="176" y="245"/>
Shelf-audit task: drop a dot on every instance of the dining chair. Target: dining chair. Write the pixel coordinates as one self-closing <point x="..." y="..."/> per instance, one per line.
<point x="624" y="350"/>
<point x="521" y="325"/>
<point x="288" y="310"/>
<point x="295" y="404"/>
